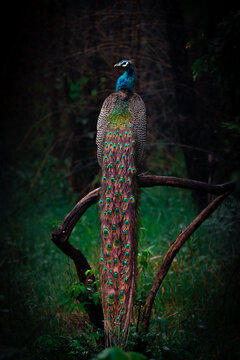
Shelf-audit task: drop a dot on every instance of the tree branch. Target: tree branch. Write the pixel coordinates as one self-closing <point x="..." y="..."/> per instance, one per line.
<point x="63" y="233"/>
<point x="60" y="236"/>
<point x="154" y="180"/>
<point x="172" y="252"/>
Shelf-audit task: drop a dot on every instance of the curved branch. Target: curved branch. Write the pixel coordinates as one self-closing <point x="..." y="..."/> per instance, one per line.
<point x="154" y="180"/>
<point x="172" y="252"/>
<point x="60" y="236"/>
<point x="63" y="233"/>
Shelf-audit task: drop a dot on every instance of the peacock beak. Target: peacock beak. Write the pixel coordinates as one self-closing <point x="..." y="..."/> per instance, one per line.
<point x="118" y="64"/>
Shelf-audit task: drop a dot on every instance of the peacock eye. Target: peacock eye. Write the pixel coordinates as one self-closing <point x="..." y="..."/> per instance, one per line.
<point x="125" y="63"/>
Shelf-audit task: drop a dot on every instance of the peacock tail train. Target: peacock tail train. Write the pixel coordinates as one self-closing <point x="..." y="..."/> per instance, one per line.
<point x="118" y="155"/>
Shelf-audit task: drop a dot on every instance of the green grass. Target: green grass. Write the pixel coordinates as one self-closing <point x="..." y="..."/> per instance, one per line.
<point x="195" y="315"/>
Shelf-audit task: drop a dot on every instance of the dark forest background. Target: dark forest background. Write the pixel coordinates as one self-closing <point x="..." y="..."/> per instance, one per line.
<point x="57" y="62"/>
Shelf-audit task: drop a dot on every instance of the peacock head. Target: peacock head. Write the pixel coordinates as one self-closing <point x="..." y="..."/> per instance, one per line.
<point x="125" y="64"/>
<point x="127" y="79"/>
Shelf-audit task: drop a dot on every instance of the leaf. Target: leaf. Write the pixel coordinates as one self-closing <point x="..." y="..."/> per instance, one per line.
<point x="81" y="307"/>
<point x="88" y="272"/>
<point x="189" y="44"/>
<point x="83" y="80"/>
<point x="95" y="299"/>
<point x="94" y="336"/>
<point x="115" y="353"/>
<point x="93" y="272"/>
<point x="231" y="126"/>
<point x="82" y="288"/>
<point x="144" y="263"/>
<point x="136" y="356"/>
<point x="71" y="308"/>
<point x="76" y="291"/>
<point x="203" y="64"/>
<point x="65" y="301"/>
<point x="94" y="92"/>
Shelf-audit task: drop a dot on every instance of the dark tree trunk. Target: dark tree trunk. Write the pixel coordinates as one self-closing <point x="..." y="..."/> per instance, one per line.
<point x="195" y="120"/>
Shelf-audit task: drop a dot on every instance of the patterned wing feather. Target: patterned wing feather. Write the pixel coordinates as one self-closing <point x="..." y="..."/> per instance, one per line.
<point x="106" y="110"/>
<point x="138" y="113"/>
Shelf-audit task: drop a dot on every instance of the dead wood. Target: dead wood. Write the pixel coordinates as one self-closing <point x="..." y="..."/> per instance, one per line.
<point x="172" y="252"/>
<point x="61" y="236"/>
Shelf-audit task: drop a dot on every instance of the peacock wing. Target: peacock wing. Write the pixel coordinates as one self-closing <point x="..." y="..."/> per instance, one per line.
<point x="138" y="113"/>
<point x="106" y="110"/>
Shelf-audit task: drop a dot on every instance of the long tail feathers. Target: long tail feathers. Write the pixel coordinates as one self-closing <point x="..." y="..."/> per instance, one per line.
<point x="118" y="204"/>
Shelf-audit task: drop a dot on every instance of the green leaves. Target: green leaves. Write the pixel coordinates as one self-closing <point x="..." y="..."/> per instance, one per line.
<point x="71" y="301"/>
<point x="231" y="126"/>
<point x="102" y="83"/>
<point x="95" y="298"/>
<point x="67" y="347"/>
<point x="76" y="87"/>
<point x="203" y="64"/>
<point x="79" y="306"/>
<point x="189" y="44"/>
<point x="92" y="272"/>
<point x="76" y="289"/>
<point x="144" y="257"/>
<point x="94" y="93"/>
<point x="115" y="353"/>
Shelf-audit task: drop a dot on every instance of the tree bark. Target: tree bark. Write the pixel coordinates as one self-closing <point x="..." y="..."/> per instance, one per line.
<point x="60" y="236"/>
<point x="172" y="252"/>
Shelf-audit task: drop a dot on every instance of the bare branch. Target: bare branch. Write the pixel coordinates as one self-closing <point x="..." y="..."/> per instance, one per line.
<point x="172" y="252"/>
<point x="60" y="236"/>
<point x="154" y="180"/>
<point x="63" y="233"/>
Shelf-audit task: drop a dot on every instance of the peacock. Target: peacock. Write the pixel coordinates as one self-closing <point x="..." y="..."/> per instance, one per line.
<point x="121" y="135"/>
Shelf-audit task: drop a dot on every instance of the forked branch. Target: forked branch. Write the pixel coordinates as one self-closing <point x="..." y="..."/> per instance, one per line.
<point x="61" y="236"/>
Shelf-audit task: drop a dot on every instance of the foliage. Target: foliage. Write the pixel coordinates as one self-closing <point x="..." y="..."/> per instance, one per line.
<point x="202" y="64"/>
<point x="78" y="295"/>
<point x="45" y="304"/>
<point x="116" y="353"/>
<point x="65" y="346"/>
<point x="51" y="101"/>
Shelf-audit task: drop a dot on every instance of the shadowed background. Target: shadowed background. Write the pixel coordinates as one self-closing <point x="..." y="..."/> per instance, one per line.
<point x="57" y="68"/>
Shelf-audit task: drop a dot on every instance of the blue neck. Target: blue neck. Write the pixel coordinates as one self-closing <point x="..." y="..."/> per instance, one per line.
<point x="127" y="80"/>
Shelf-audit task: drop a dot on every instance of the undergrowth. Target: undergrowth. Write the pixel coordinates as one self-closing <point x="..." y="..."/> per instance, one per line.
<point x="195" y="314"/>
